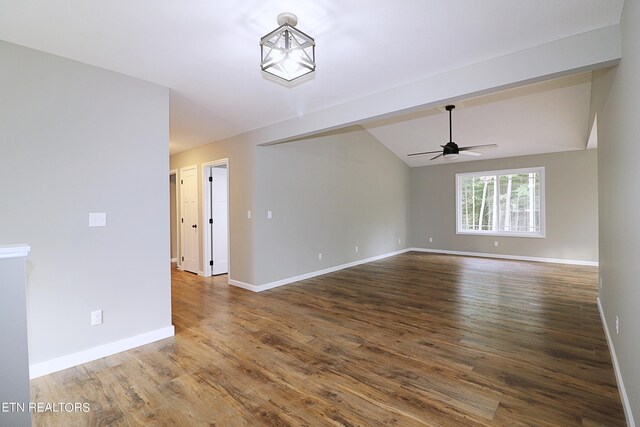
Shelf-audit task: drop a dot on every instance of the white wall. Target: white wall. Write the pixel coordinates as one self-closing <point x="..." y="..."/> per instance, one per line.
<point x="616" y="100"/>
<point x="571" y="194"/>
<point x="327" y="195"/>
<point x="76" y="139"/>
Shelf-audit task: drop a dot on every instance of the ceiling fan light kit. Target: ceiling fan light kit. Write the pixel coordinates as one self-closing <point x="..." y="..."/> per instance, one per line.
<point x="286" y="52"/>
<point x="450" y="150"/>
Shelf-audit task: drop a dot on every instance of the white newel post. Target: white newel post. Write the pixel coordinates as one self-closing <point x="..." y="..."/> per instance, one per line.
<point x="14" y="353"/>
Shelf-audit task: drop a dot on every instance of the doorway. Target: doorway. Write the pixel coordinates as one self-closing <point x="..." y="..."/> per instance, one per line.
<point x="173" y="214"/>
<point x="189" y="242"/>
<point x="216" y="217"/>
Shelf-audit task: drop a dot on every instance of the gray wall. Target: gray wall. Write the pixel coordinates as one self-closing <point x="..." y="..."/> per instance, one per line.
<point x="616" y="100"/>
<point x="327" y="194"/>
<point x="14" y="357"/>
<point x="570" y="186"/>
<point x="241" y="199"/>
<point x="76" y="139"/>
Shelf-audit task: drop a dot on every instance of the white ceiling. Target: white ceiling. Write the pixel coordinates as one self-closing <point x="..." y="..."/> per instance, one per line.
<point x="207" y="52"/>
<point x="541" y="118"/>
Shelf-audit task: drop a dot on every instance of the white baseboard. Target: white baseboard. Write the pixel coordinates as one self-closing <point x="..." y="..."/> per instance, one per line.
<point x="242" y="285"/>
<point x="43" y="368"/>
<point x="616" y="368"/>
<point x="282" y="282"/>
<point x="515" y="257"/>
<point x="288" y="280"/>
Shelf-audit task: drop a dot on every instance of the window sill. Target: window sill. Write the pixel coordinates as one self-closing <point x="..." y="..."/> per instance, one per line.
<point x="501" y="234"/>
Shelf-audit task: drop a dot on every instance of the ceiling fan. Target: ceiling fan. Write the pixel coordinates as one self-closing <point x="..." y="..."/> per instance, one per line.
<point x="451" y="150"/>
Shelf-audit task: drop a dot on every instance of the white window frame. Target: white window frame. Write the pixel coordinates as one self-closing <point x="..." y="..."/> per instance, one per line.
<point x="497" y="173"/>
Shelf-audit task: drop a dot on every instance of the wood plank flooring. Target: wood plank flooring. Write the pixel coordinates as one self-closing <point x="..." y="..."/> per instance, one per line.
<point x="413" y="340"/>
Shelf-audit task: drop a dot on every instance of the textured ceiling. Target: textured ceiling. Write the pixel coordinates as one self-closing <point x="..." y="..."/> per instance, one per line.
<point x="207" y="52"/>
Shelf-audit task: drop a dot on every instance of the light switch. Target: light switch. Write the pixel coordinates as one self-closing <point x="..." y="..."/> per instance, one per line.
<point x="97" y="219"/>
<point x="269" y="214"/>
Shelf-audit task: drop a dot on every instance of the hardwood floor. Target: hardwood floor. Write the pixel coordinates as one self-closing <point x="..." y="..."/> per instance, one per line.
<point x="414" y="340"/>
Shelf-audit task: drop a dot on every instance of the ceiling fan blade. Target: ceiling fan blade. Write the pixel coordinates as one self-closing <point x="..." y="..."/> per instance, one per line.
<point x="471" y="147"/>
<point x="470" y="153"/>
<point x="439" y="155"/>
<point x="423" y="153"/>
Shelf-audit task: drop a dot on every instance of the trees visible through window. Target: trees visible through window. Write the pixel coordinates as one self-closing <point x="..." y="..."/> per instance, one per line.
<point x="501" y="202"/>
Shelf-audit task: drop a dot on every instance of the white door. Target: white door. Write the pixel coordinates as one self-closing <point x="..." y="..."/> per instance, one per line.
<point x="220" y="237"/>
<point x="189" y="250"/>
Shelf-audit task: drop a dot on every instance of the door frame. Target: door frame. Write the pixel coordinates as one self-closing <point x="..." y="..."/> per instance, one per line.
<point x="180" y="224"/>
<point x="177" y="202"/>
<point x="206" y="213"/>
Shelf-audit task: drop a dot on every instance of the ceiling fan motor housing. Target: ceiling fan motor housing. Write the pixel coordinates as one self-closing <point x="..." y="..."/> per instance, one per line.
<point x="450" y="148"/>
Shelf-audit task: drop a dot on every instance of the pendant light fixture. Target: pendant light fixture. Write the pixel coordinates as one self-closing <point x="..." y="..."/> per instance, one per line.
<point x="287" y="52"/>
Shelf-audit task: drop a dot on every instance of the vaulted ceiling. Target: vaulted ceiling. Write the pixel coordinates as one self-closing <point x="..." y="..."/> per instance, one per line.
<point x="207" y="53"/>
<point x="545" y="117"/>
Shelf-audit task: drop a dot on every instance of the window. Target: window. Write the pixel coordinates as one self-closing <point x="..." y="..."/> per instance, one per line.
<point x="503" y="203"/>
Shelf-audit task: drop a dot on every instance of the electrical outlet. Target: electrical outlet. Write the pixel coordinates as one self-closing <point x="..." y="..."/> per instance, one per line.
<point x="399" y="241"/>
<point x="495" y="243"/>
<point x="97" y="219"/>
<point x="617" y="325"/>
<point x="248" y="214"/>
<point x="320" y="256"/>
<point x="96" y="317"/>
<point x="269" y="214"/>
<point x="356" y="249"/>
<point x="430" y="239"/>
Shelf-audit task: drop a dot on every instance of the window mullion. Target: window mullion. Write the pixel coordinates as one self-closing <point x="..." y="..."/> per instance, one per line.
<point x="496" y="203"/>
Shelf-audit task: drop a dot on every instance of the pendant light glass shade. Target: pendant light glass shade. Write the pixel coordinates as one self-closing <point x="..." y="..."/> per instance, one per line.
<point x="287" y="52"/>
